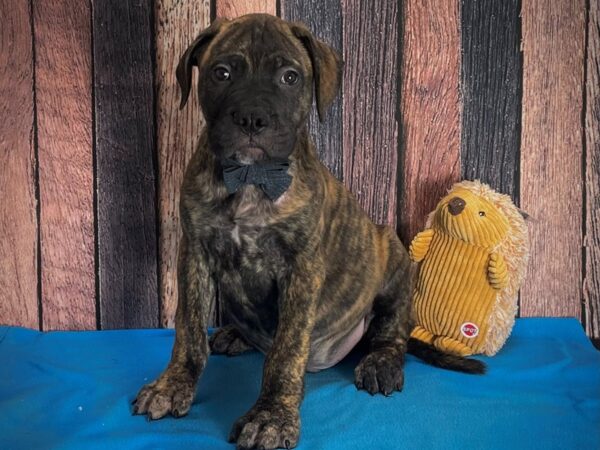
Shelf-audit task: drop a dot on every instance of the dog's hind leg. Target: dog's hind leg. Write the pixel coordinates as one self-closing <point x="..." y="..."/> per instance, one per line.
<point x="227" y="340"/>
<point x="381" y="370"/>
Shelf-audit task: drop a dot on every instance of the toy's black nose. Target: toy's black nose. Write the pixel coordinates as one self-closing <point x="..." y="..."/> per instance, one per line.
<point x="251" y="121"/>
<point x="456" y="205"/>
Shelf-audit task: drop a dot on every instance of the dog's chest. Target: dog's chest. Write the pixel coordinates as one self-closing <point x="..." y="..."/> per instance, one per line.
<point x="241" y="232"/>
<point x="249" y="257"/>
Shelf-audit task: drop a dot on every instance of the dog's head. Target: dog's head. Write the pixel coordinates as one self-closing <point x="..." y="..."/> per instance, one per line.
<point x="256" y="82"/>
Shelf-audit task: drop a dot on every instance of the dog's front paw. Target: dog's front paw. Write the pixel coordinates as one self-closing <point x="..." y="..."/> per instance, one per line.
<point x="165" y="396"/>
<point x="266" y="428"/>
<point x="228" y="341"/>
<point x="380" y="371"/>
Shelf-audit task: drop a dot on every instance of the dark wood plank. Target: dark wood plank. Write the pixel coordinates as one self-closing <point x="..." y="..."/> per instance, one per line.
<point x="236" y="8"/>
<point x="429" y="76"/>
<point x="18" y="216"/>
<point x="591" y="284"/>
<point x="324" y="18"/>
<point x="125" y="153"/>
<point x="64" y="119"/>
<point x="177" y="24"/>
<point x="551" y="154"/>
<point x="491" y="86"/>
<point x="370" y="127"/>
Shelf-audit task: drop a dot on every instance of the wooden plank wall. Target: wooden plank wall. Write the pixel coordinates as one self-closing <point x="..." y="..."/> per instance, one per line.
<point x="324" y="17"/>
<point x="125" y="164"/>
<point x="491" y="88"/>
<point x="429" y="109"/>
<point x="63" y="79"/>
<point x="370" y="127"/>
<point x="591" y="282"/>
<point x="93" y="146"/>
<point x="551" y="148"/>
<point x="235" y="8"/>
<point x="176" y="25"/>
<point x="18" y="167"/>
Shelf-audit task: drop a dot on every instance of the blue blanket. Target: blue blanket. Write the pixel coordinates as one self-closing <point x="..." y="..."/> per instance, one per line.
<point x="72" y="390"/>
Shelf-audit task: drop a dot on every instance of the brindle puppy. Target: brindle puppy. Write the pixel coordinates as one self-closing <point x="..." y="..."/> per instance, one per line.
<point x="301" y="277"/>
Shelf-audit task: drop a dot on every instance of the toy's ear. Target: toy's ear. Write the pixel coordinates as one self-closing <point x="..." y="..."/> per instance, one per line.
<point x="525" y="215"/>
<point x="326" y="64"/>
<point x="192" y="56"/>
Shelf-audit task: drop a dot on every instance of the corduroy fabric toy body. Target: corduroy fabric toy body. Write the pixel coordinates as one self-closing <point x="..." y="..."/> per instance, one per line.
<point x="473" y="257"/>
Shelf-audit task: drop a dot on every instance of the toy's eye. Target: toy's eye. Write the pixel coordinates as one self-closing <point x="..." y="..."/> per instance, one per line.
<point x="482" y="213"/>
<point x="222" y="73"/>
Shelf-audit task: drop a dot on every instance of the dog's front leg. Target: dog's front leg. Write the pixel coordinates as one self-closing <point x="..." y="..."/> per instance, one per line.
<point x="174" y="391"/>
<point x="274" y="420"/>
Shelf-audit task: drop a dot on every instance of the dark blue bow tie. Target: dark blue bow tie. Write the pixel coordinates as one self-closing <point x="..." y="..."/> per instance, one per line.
<point x="271" y="176"/>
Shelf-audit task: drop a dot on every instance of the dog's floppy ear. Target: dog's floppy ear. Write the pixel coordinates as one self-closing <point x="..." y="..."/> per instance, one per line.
<point x="192" y="56"/>
<point x="327" y="67"/>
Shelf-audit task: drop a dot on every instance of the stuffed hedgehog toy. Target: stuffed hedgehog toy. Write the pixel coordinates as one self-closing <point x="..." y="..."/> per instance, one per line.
<point x="473" y="256"/>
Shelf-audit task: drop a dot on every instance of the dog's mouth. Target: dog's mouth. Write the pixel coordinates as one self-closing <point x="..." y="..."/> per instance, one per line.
<point x="249" y="154"/>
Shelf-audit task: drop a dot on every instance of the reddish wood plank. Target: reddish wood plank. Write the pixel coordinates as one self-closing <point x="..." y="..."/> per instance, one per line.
<point x="236" y="8"/>
<point x="551" y="154"/>
<point x="370" y="132"/>
<point x="430" y="109"/>
<point x="176" y="25"/>
<point x="64" y="119"/>
<point x="18" y="216"/>
<point x="591" y="284"/>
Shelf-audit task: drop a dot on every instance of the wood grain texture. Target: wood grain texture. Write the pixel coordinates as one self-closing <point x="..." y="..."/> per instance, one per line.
<point x="491" y="86"/>
<point x="324" y="18"/>
<point x="125" y="153"/>
<point x="18" y="215"/>
<point x="551" y="154"/>
<point x="176" y="25"/>
<point x="591" y="283"/>
<point x="430" y="128"/>
<point x="370" y="126"/>
<point x="63" y="70"/>
<point x="236" y="8"/>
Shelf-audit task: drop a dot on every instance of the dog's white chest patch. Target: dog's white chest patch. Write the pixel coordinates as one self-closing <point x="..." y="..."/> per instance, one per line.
<point x="235" y="234"/>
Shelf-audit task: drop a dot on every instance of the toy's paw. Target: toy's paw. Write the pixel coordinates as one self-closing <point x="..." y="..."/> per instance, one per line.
<point x="497" y="271"/>
<point x="165" y="396"/>
<point x="228" y="341"/>
<point x="267" y="427"/>
<point x="420" y="244"/>
<point x="380" y="371"/>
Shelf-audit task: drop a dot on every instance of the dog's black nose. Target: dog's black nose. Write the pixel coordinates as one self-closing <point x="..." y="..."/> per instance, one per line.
<point x="251" y="121"/>
<point x="456" y="205"/>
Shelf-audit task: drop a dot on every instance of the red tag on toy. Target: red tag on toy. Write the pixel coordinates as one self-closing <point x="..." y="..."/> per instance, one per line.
<point x="469" y="330"/>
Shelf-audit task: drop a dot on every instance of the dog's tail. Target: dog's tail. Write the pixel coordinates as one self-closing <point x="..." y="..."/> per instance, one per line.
<point x="437" y="358"/>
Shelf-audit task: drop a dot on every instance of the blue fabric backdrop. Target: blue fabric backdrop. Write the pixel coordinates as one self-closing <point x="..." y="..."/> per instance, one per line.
<point x="72" y="390"/>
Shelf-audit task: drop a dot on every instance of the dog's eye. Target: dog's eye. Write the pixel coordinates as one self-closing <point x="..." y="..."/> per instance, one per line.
<point x="290" y="77"/>
<point x="222" y="73"/>
<point x="482" y="213"/>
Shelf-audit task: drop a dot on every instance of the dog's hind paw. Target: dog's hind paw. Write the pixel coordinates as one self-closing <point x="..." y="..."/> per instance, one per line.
<point x="380" y="372"/>
<point x="164" y="396"/>
<point x="266" y="428"/>
<point x="228" y="341"/>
